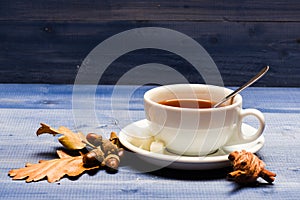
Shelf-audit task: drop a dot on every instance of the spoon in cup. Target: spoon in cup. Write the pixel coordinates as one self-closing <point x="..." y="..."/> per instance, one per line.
<point x="250" y="82"/>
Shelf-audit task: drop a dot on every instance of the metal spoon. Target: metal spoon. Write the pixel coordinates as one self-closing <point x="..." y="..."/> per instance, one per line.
<point x="254" y="79"/>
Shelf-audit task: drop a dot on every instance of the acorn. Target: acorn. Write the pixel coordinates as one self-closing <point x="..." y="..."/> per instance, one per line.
<point x="94" y="139"/>
<point x="93" y="158"/>
<point x="112" y="161"/>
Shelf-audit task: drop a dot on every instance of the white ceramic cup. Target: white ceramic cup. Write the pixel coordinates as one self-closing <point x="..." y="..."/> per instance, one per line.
<point x="197" y="131"/>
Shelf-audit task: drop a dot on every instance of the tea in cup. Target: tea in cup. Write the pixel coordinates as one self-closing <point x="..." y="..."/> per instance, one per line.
<point x="182" y="116"/>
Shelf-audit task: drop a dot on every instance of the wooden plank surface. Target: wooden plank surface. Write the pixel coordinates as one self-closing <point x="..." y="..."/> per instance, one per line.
<point x="23" y="107"/>
<point x="46" y="41"/>
<point x="110" y="10"/>
<point x="52" y="52"/>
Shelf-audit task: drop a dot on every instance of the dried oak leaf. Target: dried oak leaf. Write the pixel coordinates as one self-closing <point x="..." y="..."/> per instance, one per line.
<point x="54" y="169"/>
<point x="69" y="139"/>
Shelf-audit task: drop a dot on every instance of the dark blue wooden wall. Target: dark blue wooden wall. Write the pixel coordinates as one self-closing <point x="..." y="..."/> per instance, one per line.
<point x="46" y="41"/>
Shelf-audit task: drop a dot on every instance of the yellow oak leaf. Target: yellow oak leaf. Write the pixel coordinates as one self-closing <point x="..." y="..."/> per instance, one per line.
<point x="69" y="139"/>
<point x="54" y="169"/>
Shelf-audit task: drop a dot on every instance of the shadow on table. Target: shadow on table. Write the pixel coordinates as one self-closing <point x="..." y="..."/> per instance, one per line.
<point x="192" y="174"/>
<point x="140" y="166"/>
<point x="137" y="165"/>
<point x="237" y="188"/>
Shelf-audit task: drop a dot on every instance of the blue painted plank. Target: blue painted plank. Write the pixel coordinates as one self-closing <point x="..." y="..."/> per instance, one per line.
<point x="19" y="144"/>
<point x="45" y="96"/>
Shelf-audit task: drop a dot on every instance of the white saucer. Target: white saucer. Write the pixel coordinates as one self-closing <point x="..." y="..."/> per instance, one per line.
<point x="167" y="159"/>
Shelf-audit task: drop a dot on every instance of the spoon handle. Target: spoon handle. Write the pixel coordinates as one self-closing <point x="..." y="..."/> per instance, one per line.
<point x="250" y="82"/>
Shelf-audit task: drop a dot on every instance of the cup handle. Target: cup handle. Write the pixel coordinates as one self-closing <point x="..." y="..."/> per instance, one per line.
<point x="240" y="137"/>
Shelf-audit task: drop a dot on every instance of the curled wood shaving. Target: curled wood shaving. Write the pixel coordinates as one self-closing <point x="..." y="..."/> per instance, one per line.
<point x="248" y="167"/>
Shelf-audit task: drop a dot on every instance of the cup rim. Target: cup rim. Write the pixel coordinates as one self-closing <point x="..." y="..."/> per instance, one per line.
<point x="237" y="101"/>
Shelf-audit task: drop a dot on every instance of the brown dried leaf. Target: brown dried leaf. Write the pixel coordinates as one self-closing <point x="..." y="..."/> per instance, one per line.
<point x="115" y="139"/>
<point x="54" y="169"/>
<point x="69" y="139"/>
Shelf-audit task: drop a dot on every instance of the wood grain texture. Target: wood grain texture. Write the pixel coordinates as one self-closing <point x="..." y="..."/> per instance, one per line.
<point x="110" y="10"/>
<point x="22" y="111"/>
<point x="31" y="54"/>
<point x="46" y="41"/>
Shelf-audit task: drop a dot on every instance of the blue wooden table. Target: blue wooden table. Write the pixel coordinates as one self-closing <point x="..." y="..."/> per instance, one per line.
<point x="23" y="107"/>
